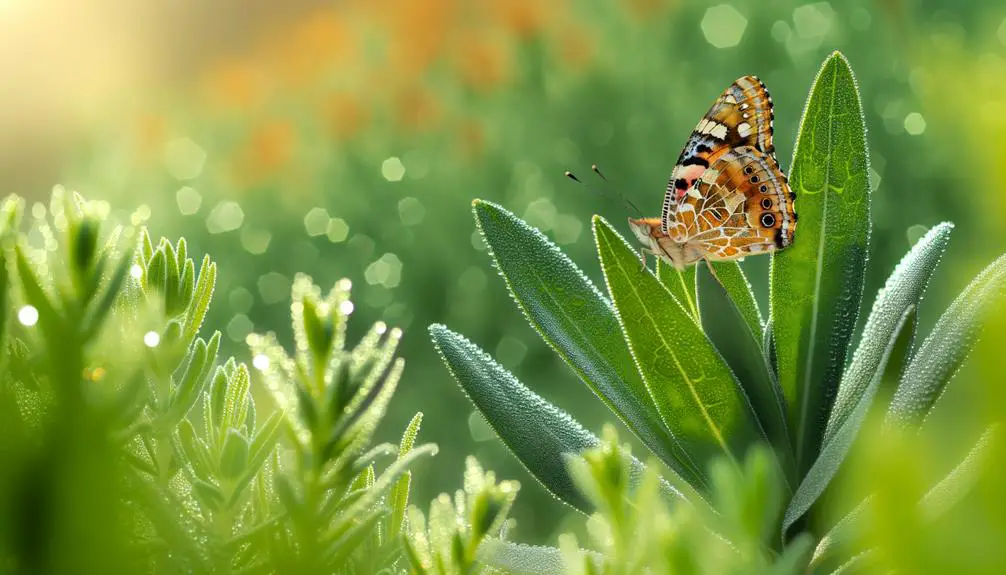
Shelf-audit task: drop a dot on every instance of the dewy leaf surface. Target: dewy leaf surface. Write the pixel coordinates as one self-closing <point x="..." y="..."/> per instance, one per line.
<point x="694" y="390"/>
<point x="835" y="450"/>
<point x="541" y="435"/>
<point x="577" y="322"/>
<point x="947" y="346"/>
<point x="817" y="283"/>
<point x="681" y="284"/>
<point x="904" y="288"/>
<point x="739" y="341"/>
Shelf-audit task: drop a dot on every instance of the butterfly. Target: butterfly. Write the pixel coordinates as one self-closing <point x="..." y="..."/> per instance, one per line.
<point x="727" y="197"/>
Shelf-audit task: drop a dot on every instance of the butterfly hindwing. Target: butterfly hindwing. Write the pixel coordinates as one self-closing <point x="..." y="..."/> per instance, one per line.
<point x="742" y="204"/>
<point x="741" y="116"/>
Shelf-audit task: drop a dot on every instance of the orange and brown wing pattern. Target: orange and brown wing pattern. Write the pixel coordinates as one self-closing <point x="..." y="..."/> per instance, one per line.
<point x="741" y="116"/>
<point x="741" y="205"/>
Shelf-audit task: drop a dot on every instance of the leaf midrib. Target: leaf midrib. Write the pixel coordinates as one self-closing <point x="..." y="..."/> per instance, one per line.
<point x="691" y="387"/>
<point x="818" y="272"/>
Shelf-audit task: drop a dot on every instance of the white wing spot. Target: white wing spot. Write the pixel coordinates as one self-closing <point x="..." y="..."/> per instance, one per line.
<point x="718" y="131"/>
<point x="730" y="99"/>
<point x="744" y="129"/>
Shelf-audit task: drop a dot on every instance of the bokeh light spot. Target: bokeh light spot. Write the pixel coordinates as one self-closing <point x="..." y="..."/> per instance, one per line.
<point x="27" y="315"/>
<point x="812" y="23"/>
<point x="385" y="271"/>
<point x="411" y="211"/>
<point x="188" y="200"/>
<point x="241" y="300"/>
<point x="393" y="169"/>
<point x="915" y="233"/>
<point x="346" y="307"/>
<point x="225" y="217"/>
<point x="915" y="124"/>
<point x="260" y="362"/>
<point x="723" y="26"/>
<point x="239" y="327"/>
<point x="567" y="229"/>
<point x="136" y="271"/>
<point x="151" y="339"/>
<point x="184" y="159"/>
<point x="316" y="222"/>
<point x="510" y="351"/>
<point x="480" y="428"/>
<point x="541" y="214"/>
<point x="255" y="241"/>
<point x="273" y="287"/>
<point x="337" y="230"/>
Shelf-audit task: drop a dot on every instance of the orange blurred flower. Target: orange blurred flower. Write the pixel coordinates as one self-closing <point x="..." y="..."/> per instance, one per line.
<point x="472" y="137"/>
<point x="268" y="150"/>
<point x="236" y="84"/>
<point x="314" y="45"/>
<point x="416" y="108"/>
<point x="523" y="17"/>
<point x="483" y="63"/>
<point x="576" y="46"/>
<point x="346" y="116"/>
<point x="645" y="9"/>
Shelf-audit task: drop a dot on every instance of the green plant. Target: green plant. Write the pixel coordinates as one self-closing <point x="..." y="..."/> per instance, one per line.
<point x="685" y="361"/>
<point x="449" y="540"/>
<point x="127" y="446"/>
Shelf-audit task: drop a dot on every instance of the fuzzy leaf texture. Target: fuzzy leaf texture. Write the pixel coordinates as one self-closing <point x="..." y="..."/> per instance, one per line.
<point x="696" y="394"/>
<point x="576" y="321"/>
<point x="539" y="434"/>
<point x="904" y="288"/>
<point x="737" y="335"/>
<point x="817" y="283"/>
<point x="834" y="451"/>
<point x="947" y="346"/>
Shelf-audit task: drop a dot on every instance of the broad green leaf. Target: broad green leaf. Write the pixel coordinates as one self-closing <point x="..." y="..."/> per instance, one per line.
<point x="947" y="346"/>
<point x="904" y="288"/>
<point x="735" y="338"/>
<point x="695" y="392"/>
<point x="681" y="284"/>
<point x="539" y="434"/>
<point x="576" y="321"/>
<point x="817" y="283"/>
<point x="732" y="279"/>
<point x="834" y="451"/>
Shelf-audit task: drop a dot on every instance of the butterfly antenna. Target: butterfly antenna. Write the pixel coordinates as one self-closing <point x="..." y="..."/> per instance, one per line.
<point x="614" y="190"/>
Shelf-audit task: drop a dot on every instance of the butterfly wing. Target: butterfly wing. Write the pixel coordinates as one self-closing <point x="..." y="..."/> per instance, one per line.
<point x="741" y="116"/>
<point x="741" y="205"/>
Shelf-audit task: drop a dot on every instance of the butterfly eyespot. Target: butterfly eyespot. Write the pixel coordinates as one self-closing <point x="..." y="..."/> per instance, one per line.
<point x="748" y="169"/>
<point x="766" y="203"/>
<point x="763" y="189"/>
<point x="754" y="179"/>
<point x="767" y="220"/>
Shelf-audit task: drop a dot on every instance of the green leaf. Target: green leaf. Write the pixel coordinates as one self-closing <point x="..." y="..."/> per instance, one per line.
<point x="696" y="394"/>
<point x="577" y="321"/>
<point x="904" y="288"/>
<point x="833" y="454"/>
<point x="539" y="434"/>
<point x="234" y="456"/>
<point x="202" y="295"/>
<point x="521" y="559"/>
<point x="738" y="340"/>
<point x="399" y="498"/>
<point x="817" y="283"/>
<point x="681" y="284"/>
<point x="947" y="346"/>
<point x="732" y="279"/>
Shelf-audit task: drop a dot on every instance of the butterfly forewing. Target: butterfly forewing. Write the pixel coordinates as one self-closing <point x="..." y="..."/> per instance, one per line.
<point x="740" y="205"/>
<point x="741" y="116"/>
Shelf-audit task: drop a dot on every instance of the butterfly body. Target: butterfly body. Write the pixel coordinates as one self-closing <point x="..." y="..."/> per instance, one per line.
<point x="727" y="197"/>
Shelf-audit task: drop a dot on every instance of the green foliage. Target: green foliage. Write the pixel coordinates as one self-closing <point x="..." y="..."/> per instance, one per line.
<point x="635" y="531"/>
<point x="720" y="386"/>
<point x="127" y="445"/>
<point x="451" y="538"/>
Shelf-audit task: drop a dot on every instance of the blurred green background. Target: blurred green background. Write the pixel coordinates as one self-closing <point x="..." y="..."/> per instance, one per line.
<point x="347" y="139"/>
